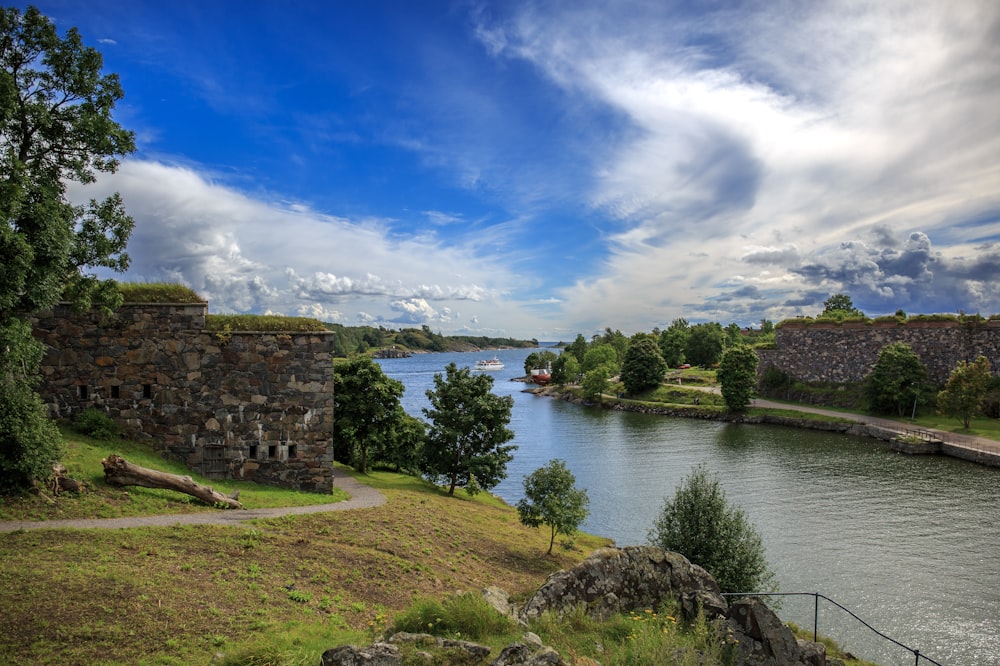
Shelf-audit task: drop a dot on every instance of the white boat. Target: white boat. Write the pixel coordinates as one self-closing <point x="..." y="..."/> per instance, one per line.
<point x="488" y="364"/>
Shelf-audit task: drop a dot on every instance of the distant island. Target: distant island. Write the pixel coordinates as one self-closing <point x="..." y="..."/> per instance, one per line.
<point x="350" y="340"/>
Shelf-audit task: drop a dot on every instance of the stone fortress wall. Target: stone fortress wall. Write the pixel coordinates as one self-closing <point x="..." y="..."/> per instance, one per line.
<point x="244" y="405"/>
<point x="826" y="352"/>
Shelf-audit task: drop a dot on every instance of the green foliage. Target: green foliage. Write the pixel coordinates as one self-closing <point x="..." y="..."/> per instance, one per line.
<point x="643" y="366"/>
<point x="468" y="433"/>
<point x="700" y="524"/>
<point x="578" y="348"/>
<point x="157" y="292"/>
<point x="965" y="390"/>
<point x="840" y="306"/>
<point x="600" y="354"/>
<point x="29" y="442"/>
<point x="673" y="342"/>
<point x="539" y="359"/>
<point x="552" y="498"/>
<point x="269" y="323"/>
<point x="705" y="344"/>
<point x="367" y="412"/>
<point x="595" y="382"/>
<point x="738" y="375"/>
<point x="95" y="423"/>
<point x="55" y="127"/>
<point x="897" y="381"/>
<point x="466" y="615"/>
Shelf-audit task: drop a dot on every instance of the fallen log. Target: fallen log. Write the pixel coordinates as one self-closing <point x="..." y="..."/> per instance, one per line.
<point x="60" y="482"/>
<point x="120" y="472"/>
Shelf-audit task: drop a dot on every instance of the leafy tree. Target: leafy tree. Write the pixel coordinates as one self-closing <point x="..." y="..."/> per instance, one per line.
<point x="840" y="306"/>
<point x="565" y="369"/>
<point x="734" y="335"/>
<point x="896" y="381"/>
<point x="700" y="524"/>
<point x="403" y="448"/>
<point x="595" y="382"/>
<point x="965" y="390"/>
<point x="578" y="347"/>
<point x="600" y="355"/>
<point x="552" y="498"/>
<point x="539" y="359"/>
<point x="643" y="366"/>
<point x="705" y="344"/>
<point x="466" y="442"/>
<point x="738" y="375"/>
<point x="673" y="342"/>
<point x="55" y="127"/>
<point x="366" y="408"/>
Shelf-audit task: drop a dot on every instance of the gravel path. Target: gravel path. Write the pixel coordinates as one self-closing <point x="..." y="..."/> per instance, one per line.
<point x="362" y="497"/>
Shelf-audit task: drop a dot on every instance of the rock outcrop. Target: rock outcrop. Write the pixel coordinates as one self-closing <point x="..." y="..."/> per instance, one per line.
<point x="619" y="580"/>
<point x="611" y="581"/>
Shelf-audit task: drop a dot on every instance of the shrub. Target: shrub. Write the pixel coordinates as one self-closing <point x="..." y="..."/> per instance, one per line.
<point x="700" y="524"/>
<point x="95" y="423"/>
<point x="157" y="292"/>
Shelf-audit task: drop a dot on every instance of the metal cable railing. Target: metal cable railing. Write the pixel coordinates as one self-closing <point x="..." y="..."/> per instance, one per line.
<point x="817" y="596"/>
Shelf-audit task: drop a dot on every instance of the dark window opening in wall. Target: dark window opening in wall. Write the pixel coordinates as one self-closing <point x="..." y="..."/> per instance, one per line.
<point x="291" y="450"/>
<point x="116" y="391"/>
<point x="82" y="391"/>
<point x="147" y="391"/>
<point x="272" y="451"/>
<point x="253" y="452"/>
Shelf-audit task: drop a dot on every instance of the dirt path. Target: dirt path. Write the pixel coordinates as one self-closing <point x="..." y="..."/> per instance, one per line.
<point x="362" y="497"/>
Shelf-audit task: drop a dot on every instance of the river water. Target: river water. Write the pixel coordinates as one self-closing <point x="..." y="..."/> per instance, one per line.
<point x="911" y="545"/>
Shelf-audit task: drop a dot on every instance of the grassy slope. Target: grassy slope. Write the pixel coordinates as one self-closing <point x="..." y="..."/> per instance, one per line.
<point x="288" y="587"/>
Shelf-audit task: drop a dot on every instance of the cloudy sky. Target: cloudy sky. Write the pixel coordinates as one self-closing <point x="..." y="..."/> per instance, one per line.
<point x="543" y="168"/>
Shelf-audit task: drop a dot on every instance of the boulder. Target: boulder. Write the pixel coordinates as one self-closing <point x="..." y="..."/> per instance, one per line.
<point x="376" y="654"/>
<point x="620" y="580"/>
<point x="763" y="640"/>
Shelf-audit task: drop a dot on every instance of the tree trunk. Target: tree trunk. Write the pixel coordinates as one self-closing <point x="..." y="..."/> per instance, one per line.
<point x="119" y="472"/>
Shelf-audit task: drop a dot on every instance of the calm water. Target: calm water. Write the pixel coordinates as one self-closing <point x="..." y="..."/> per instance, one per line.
<point x="909" y="544"/>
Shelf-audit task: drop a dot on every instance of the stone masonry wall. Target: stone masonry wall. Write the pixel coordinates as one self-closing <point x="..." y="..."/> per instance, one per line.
<point x="255" y="406"/>
<point x="847" y="353"/>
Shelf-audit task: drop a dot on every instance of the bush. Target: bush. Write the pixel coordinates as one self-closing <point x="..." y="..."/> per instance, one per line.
<point x="95" y="423"/>
<point x="700" y="524"/>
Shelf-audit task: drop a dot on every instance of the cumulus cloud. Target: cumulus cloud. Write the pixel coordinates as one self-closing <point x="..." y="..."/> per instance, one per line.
<point x="249" y="254"/>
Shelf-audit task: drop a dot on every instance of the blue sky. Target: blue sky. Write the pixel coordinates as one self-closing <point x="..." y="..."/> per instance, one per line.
<point x="541" y="169"/>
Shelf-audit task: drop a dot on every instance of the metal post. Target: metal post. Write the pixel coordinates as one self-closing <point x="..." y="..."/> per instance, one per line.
<point x="815" y="615"/>
<point x="917" y="655"/>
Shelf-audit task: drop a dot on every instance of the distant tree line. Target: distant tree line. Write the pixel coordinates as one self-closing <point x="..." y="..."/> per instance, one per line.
<point x="351" y="340"/>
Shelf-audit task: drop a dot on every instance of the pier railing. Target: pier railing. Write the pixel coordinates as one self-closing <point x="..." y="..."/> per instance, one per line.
<point x="816" y="597"/>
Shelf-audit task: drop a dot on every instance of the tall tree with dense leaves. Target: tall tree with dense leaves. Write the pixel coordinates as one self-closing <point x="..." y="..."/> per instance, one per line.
<point x="897" y="380"/>
<point x="705" y="344"/>
<point x="552" y="498"/>
<point x="55" y="126"/>
<point x="467" y="439"/>
<point x="366" y="409"/>
<point x="737" y="374"/>
<point x="965" y="390"/>
<point x="643" y="366"/>
<point x="673" y="342"/>
<point x="700" y="524"/>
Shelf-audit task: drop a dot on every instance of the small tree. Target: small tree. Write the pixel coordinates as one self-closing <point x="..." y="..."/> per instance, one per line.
<point x="539" y="359"/>
<point x="466" y="442"/>
<point x="643" y="366"/>
<point x="702" y="526"/>
<point x="840" y="306"/>
<point x="552" y="498"/>
<point x="965" y="390"/>
<point x="738" y="375"/>
<point x="595" y="382"/>
<point x="896" y="381"/>
<point x="366" y="408"/>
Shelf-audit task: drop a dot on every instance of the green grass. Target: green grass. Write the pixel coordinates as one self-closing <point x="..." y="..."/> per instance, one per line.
<point x="82" y="459"/>
<point x="158" y="292"/>
<point x="270" y="323"/>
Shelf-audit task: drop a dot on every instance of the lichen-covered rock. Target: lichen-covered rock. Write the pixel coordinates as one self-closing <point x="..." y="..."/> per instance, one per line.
<point x="762" y="639"/>
<point x="376" y="654"/>
<point x="619" y="580"/>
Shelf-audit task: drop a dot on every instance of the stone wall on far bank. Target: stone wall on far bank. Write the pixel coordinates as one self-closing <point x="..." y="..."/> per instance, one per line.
<point x="244" y="405"/>
<point x="822" y="352"/>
